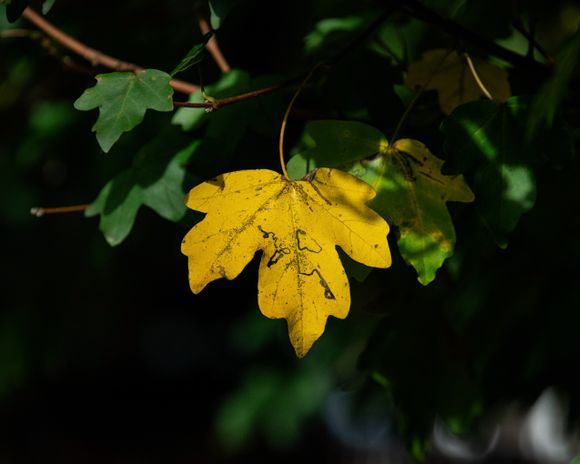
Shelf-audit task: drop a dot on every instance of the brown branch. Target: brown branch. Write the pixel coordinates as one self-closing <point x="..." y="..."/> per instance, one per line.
<point x="213" y="47"/>
<point x="38" y="212"/>
<point x="215" y="104"/>
<point x="95" y="57"/>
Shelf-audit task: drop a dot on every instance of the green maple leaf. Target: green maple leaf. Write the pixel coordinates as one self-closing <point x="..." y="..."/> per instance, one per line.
<point x="122" y="99"/>
<point x="155" y="180"/>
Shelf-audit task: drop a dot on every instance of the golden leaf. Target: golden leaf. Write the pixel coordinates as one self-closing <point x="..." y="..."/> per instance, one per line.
<point x="448" y="73"/>
<point x="298" y="225"/>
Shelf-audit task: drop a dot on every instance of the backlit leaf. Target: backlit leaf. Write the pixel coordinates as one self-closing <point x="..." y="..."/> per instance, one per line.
<point x="298" y="225"/>
<point x="412" y="193"/>
<point x="448" y="73"/>
<point x="491" y="137"/>
<point x="122" y="99"/>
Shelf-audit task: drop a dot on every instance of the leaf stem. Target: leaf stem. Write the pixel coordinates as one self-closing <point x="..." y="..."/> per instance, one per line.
<point x="95" y="57"/>
<point x="418" y="93"/>
<point x="287" y="114"/>
<point x="39" y="211"/>
<point x="478" y="80"/>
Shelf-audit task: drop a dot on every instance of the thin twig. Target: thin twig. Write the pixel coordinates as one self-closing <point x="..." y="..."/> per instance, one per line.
<point x="416" y="9"/>
<point x="518" y="26"/>
<point x="478" y="80"/>
<point x="95" y="57"/>
<point x="38" y="212"/>
<point x="221" y="102"/>
<point x="213" y="47"/>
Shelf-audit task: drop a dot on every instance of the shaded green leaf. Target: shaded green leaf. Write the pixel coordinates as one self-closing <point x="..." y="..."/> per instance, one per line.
<point x="156" y="180"/>
<point x="491" y="137"/>
<point x="334" y="143"/>
<point x="546" y="103"/>
<point x="194" y="56"/>
<point x="331" y="32"/>
<point x="47" y="6"/>
<point x="122" y="99"/>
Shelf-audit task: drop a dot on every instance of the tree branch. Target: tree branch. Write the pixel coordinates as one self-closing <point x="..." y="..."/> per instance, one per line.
<point x="219" y="103"/>
<point x="95" y="57"/>
<point x="416" y="9"/>
<point x="212" y="46"/>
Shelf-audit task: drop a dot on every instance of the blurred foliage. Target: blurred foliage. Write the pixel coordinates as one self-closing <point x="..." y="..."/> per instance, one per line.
<point x="105" y="355"/>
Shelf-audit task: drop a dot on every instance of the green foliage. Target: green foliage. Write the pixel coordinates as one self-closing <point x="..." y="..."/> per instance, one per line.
<point x="411" y="191"/>
<point x="156" y="180"/>
<point x="219" y="9"/>
<point x="334" y="144"/>
<point x="547" y="101"/>
<point x="491" y="138"/>
<point x="493" y="328"/>
<point x="14" y="9"/>
<point x="122" y="99"/>
<point x="193" y="57"/>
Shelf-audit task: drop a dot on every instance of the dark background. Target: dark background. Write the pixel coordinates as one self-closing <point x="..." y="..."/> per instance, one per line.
<point x="106" y="355"/>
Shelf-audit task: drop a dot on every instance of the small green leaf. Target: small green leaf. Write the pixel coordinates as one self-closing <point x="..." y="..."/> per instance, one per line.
<point x="333" y="31"/>
<point x="47" y="5"/>
<point x="156" y="180"/>
<point x="122" y="99"/>
<point x="491" y="138"/>
<point x="219" y="9"/>
<point x="194" y="56"/>
<point x="333" y="144"/>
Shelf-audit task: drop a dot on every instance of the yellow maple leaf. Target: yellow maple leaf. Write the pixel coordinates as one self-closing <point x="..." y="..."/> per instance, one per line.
<point x="298" y="225"/>
<point x="448" y="73"/>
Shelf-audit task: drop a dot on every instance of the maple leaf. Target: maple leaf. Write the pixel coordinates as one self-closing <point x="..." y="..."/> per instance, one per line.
<point x="298" y="225"/>
<point x="448" y="73"/>
<point x="412" y="193"/>
<point x="122" y="99"/>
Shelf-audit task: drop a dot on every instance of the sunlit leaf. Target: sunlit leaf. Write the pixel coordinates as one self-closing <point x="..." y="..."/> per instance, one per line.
<point x="412" y="193"/>
<point x="448" y="73"/>
<point x="122" y="99"/>
<point x="298" y="225"/>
